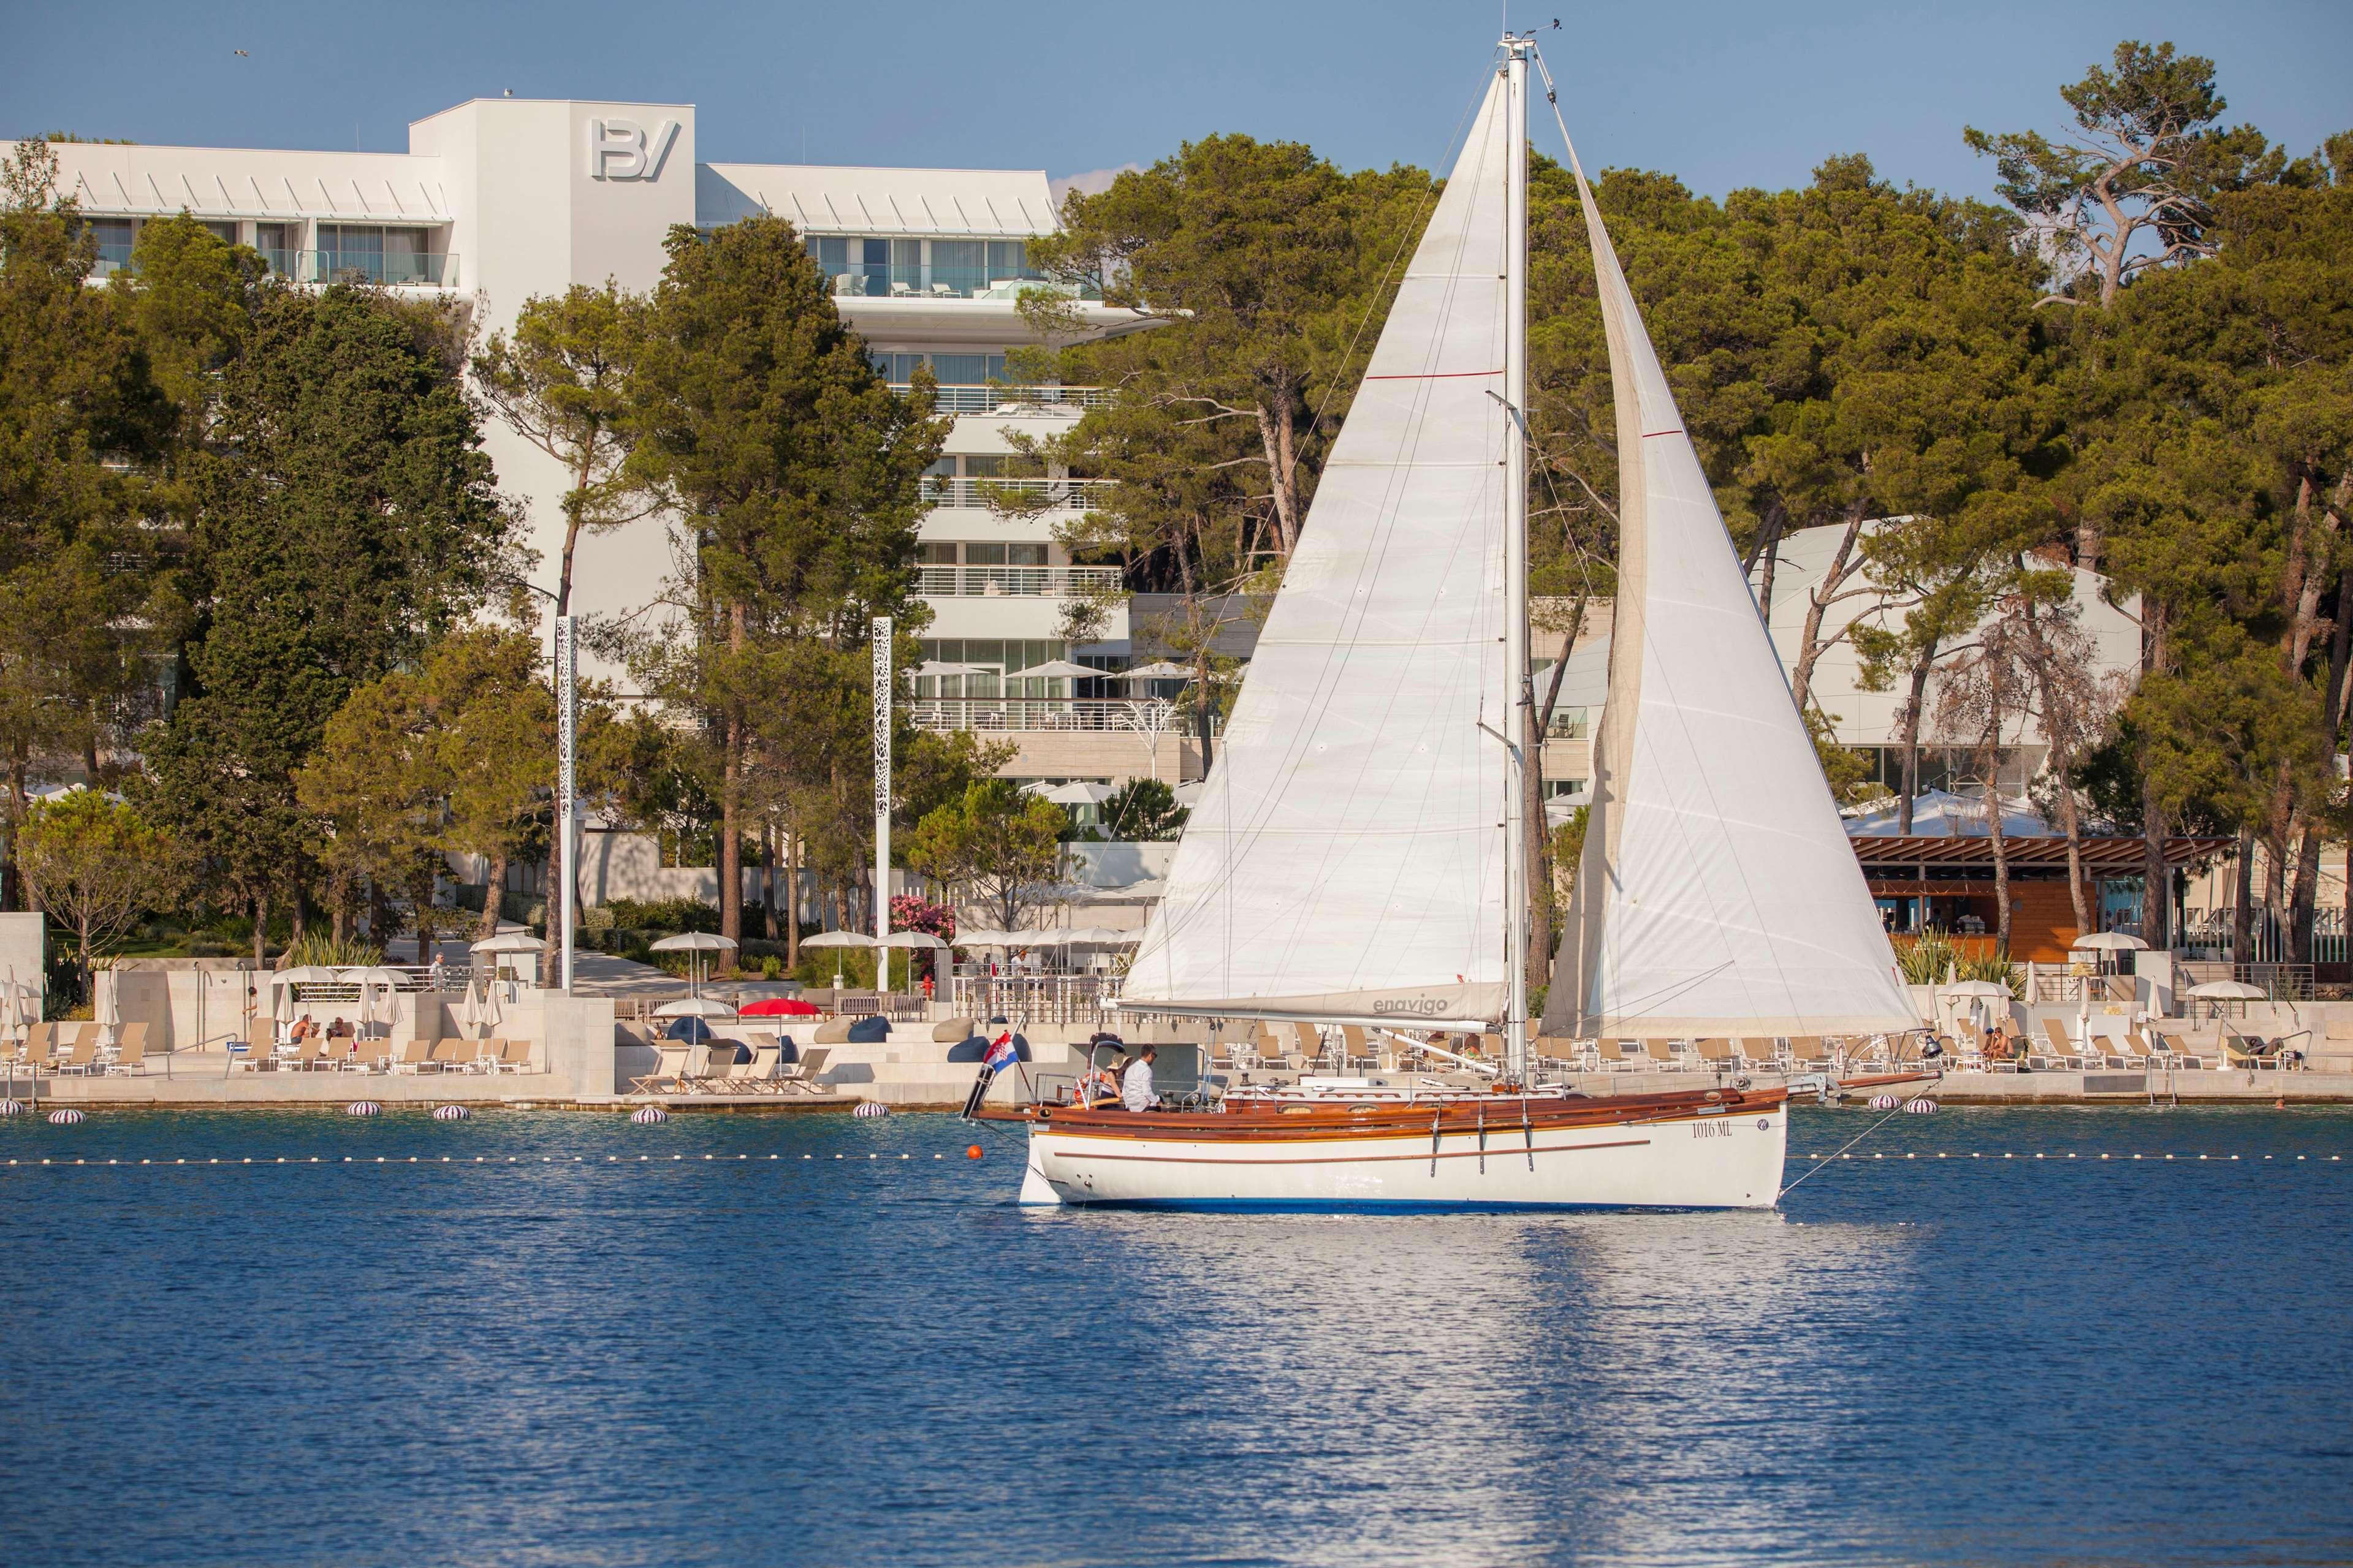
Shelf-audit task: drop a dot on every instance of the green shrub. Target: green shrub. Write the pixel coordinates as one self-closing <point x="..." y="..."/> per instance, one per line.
<point x="597" y="917"/>
<point x="321" y="947"/>
<point x="665" y="915"/>
<point x="1924" y="958"/>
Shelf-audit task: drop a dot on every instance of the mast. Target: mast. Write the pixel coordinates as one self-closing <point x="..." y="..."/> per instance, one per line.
<point x="1515" y="556"/>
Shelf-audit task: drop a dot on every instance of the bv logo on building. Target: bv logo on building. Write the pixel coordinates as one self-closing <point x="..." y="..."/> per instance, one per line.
<point x="620" y="149"/>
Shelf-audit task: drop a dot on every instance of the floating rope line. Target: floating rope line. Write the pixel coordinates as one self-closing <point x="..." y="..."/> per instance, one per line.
<point x="400" y="1161"/>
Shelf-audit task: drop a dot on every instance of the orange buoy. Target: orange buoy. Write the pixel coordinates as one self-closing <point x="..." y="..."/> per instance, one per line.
<point x="972" y="1152"/>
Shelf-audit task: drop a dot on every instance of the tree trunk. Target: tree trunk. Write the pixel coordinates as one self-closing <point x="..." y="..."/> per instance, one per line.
<point x="2155" y="903"/>
<point x="792" y="896"/>
<point x="494" y="891"/>
<point x="768" y="873"/>
<point x="2000" y="847"/>
<point x="1275" y="434"/>
<point x="1912" y="711"/>
<point x="2307" y="895"/>
<point x="299" y="926"/>
<point x="731" y="811"/>
<point x="1834" y="576"/>
<point x="1539" y="834"/>
<point x="339" y="907"/>
<point x="260" y="929"/>
<point x="1767" y="548"/>
<point x="2242" y="915"/>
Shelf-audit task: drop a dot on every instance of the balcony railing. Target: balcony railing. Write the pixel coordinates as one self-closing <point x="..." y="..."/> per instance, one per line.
<point x="963" y="399"/>
<point x="874" y="281"/>
<point x="1016" y="582"/>
<point x="1041" y="495"/>
<point x="1035" y="714"/>
<point x="422" y="269"/>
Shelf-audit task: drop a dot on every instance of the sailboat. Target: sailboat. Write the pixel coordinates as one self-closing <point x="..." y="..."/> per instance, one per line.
<point x="1355" y="856"/>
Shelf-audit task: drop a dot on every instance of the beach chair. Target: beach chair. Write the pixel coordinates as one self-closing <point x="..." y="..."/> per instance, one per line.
<point x="1356" y="1049"/>
<point x="130" y="1055"/>
<point x="2132" y="1049"/>
<point x="2249" y="1051"/>
<point x="374" y="1056"/>
<point x="2061" y="1055"/>
<point x="757" y="1076"/>
<point x="516" y="1057"/>
<point x="415" y="1056"/>
<point x="1718" y="1053"/>
<point x="670" y="1060"/>
<point x="1663" y="1055"/>
<point x="40" y="1043"/>
<point x="707" y="1068"/>
<point x="310" y="1056"/>
<point x="82" y="1058"/>
<point x="1613" y="1057"/>
<point x="801" y="1076"/>
<point x="1807" y="1053"/>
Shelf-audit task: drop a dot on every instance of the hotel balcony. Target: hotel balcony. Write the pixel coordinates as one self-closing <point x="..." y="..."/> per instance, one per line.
<point x="996" y="495"/>
<point x="1016" y="582"/>
<point x="1014" y="400"/>
<point x="1051" y="714"/>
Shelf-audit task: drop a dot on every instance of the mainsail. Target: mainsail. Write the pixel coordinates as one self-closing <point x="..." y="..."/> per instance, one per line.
<point x="1346" y="858"/>
<point x="1717" y="894"/>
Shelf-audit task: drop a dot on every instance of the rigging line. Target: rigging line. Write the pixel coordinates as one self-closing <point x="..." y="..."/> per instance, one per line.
<point x="1826" y="1159"/>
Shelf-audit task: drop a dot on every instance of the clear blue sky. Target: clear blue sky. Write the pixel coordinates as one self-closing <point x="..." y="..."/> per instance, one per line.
<point x="1722" y="93"/>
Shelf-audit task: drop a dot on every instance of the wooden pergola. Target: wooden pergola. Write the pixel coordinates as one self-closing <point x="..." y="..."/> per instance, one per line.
<point x="1960" y="870"/>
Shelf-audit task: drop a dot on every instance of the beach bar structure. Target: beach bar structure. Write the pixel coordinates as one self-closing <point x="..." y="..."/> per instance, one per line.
<point x="1946" y="883"/>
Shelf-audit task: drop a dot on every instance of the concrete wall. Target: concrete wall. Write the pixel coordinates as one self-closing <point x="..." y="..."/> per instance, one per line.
<point x="24" y="951"/>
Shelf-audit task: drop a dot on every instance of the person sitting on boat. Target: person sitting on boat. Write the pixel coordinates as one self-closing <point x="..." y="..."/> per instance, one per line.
<point x="1097" y="1084"/>
<point x="1135" y="1083"/>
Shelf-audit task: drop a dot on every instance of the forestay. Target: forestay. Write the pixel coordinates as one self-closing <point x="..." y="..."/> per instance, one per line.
<point x="1717" y="894"/>
<point x="1344" y="859"/>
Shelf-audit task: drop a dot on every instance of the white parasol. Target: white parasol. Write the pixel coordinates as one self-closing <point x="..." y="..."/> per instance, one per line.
<point x="695" y="1007"/>
<point x="2227" y="991"/>
<point x="914" y="939"/>
<point x="109" y="1017"/>
<point x="1079" y="792"/>
<point x="469" y="1011"/>
<point x="2110" y="940"/>
<point x="1161" y="671"/>
<point x="1057" y="670"/>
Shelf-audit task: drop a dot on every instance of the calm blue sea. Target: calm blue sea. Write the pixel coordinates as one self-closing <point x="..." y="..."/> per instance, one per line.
<point x="860" y="1358"/>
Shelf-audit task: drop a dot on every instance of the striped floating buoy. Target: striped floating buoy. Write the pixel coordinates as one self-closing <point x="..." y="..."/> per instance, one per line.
<point x="870" y="1108"/>
<point x="12" y="1108"/>
<point x="363" y="1108"/>
<point x="1883" y="1102"/>
<point x="456" y="1112"/>
<point x="647" y="1115"/>
<point x="66" y="1118"/>
<point x="1921" y="1107"/>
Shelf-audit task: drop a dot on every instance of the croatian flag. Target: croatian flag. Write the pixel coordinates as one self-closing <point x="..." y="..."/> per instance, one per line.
<point x="1001" y="1055"/>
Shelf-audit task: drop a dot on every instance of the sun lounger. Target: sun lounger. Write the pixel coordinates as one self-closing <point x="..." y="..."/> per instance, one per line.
<point x="1613" y="1057"/>
<point x="1809" y="1054"/>
<point x="757" y="1076"/>
<point x="416" y="1057"/>
<point x="516" y="1057"/>
<point x="802" y="1074"/>
<point x="40" y="1043"/>
<point x="2249" y="1051"/>
<point x="1718" y="1053"/>
<point x="83" y="1056"/>
<point x="130" y="1055"/>
<point x="2063" y="1054"/>
<point x="669" y="1059"/>
<point x="454" y="1055"/>
<point x="1662" y="1055"/>
<point x="708" y="1067"/>
<point x="374" y="1056"/>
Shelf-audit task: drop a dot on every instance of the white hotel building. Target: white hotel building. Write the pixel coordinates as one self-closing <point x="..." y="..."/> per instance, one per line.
<point x="498" y="200"/>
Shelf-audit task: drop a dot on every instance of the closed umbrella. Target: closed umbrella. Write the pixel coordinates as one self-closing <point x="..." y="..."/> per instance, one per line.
<point x="109" y="1017"/>
<point x="370" y="981"/>
<point x="469" y="1011"/>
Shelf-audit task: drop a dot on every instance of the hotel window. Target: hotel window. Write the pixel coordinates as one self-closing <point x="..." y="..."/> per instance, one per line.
<point x="960" y="370"/>
<point x="372" y="253"/>
<point x="1004" y="555"/>
<point x="223" y="231"/>
<point x="961" y="266"/>
<point x="982" y="468"/>
<point x="936" y="553"/>
<point x="281" y="244"/>
<point x="114" y="236"/>
<point x="1009" y="262"/>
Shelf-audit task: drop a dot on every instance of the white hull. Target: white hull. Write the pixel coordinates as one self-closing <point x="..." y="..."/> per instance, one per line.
<point x="1720" y="1161"/>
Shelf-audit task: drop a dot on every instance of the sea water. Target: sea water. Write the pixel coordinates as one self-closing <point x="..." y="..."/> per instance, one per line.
<point x="548" y="1337"/>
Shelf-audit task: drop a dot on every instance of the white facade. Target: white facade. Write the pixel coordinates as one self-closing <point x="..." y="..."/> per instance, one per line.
<point x="498" y="200"/>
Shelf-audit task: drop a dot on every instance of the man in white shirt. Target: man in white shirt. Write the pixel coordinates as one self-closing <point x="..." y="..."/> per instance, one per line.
<point x="1135" y="1083"/>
